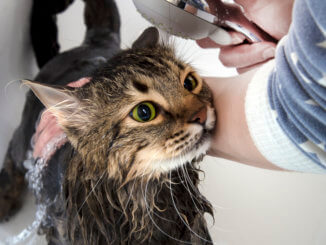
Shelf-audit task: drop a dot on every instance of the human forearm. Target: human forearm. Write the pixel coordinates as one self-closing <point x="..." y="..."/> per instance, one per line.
<point x="232" y="139"/>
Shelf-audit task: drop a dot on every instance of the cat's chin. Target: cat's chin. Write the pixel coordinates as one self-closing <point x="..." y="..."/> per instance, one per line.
<point x="194" y="154"/>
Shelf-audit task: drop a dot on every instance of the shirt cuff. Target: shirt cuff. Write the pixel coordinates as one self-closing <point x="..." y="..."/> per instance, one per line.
<point x="265" y="131"/>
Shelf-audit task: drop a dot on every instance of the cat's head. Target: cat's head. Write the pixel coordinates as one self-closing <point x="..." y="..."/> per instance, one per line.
<point x="144" y="112"/>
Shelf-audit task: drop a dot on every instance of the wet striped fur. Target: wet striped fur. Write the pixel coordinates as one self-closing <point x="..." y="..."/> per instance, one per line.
<point x="118" y="180"/>
<point x="131" y="182"/>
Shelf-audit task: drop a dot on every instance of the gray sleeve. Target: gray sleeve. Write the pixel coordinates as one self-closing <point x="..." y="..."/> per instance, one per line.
<point x="297" y="87"/>
<point x="285" y="104"/>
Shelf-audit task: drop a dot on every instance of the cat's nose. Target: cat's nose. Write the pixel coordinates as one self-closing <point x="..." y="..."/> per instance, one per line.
<point x="200" y="116"/>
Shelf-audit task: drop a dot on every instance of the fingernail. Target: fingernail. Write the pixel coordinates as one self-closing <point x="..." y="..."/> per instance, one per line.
<point x="237" y="40"/>
<point x="221" y="37"/>
<point x="269" y="53"/>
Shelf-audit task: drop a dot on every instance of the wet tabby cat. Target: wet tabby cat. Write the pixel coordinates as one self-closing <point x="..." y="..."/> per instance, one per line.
<point x="136" y="133"/>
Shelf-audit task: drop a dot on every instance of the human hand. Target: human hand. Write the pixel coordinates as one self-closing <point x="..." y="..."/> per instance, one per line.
<point x="274" y="17"/>
<point x="49" y="136"/>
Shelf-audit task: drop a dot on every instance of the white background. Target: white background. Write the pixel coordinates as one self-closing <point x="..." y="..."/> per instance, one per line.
<point x="252" y="206"/>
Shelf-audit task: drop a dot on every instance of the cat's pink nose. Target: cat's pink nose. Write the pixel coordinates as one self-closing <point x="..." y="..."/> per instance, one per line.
<point x="200" y="116"/>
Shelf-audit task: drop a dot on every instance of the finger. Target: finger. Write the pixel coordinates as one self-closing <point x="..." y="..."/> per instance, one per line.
<point x="45" y="151"/>
<point x="81" y="82"/>
<point x="44" y="134"/>
<point x="46" y="117"/>
<point x="245" y="3"/>
<point x="247" y="54"/>
<point x="51" y="133"/>
<point x="207" y="43"/>
<point x="236" y="38"/>
<point x="248" y="68"/>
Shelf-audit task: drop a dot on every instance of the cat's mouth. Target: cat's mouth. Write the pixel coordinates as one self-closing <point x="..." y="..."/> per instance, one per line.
<point x="192" y="152"/>
<point x="195" y="144"/>
<point x="204" y="137"/>
<point x="200" y="144"/>
<point x="201" y="136"/>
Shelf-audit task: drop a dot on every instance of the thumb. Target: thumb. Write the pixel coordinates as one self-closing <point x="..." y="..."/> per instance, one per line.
<point x="247" y="54"/>
<point x="236" y="38"/>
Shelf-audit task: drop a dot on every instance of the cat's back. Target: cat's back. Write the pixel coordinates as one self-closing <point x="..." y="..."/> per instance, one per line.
<point x="79" y="62"/>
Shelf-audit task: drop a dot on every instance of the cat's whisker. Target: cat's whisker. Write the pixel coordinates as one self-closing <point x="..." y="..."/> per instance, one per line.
<point x="187" y="181"/>
<point x="129" y="198"/>
<point x="144" y="193"/>
<point x="182" y="165"/>
<point x="191" y="53"/>
<point x="170" y="187"/>
<point x="88" y="195"/>
<point x="149" y="177"/>
<point x="154" y="203"/>
<point x="193" y="198"/>
<point x="145" y="200"/>
<point x="198" y="193"/>
<point x="182" y="219"/>
<point x="187" y="52"/>
<point x="10" y="83"/>
<point x="186" y="174"/>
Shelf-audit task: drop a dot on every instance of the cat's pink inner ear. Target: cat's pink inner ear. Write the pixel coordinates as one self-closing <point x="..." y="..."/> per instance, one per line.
<point x="50" y="96"/>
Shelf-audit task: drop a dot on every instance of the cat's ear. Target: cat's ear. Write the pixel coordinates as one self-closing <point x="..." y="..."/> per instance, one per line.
<point x="149" y="38"/>
<point x="57" y="99"/>
<point x="50" y="96"/>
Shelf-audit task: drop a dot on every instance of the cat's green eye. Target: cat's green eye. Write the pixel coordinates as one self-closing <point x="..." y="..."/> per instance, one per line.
<point x="143" y="112"/>
<point x="190" y="83"/>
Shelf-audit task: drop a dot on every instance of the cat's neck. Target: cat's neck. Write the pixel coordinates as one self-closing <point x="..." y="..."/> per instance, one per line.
<point x="138" y="210"/>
